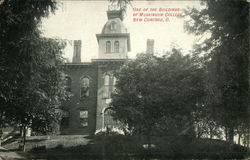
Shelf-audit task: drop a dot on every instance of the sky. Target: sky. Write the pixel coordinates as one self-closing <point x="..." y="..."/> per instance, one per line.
<point x="82" y="20"/>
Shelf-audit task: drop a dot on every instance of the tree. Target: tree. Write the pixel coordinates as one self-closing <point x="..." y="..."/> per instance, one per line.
<point x="156" y="95"/>
<point x="122" y="4"/>
<point x="134" y="102"/>
<point x="32" y="84"/>
<point x="226" y="54"/>
<point x="204" y="123"/>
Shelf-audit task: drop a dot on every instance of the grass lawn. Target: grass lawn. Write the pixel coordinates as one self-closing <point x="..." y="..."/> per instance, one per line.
<point x="126" y="147"/>
<point x="49" y="142"/>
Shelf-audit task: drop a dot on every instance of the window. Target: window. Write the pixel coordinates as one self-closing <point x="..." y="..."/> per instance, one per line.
<point x="106" y="86"/>
<point x="108" y="47"/>
<point x="65" y="119"/>
<point x="84" y="87"/>
<point x="114" y="83"/>
<point x="113" y="26"/>
<point x="68" y="84"/>
<point x="109" y="85"/>
<point x="84" y="118"/>
<point x="116" y="46"/>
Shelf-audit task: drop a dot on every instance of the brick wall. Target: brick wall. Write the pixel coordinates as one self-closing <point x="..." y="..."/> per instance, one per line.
<point x="76" y="104"/>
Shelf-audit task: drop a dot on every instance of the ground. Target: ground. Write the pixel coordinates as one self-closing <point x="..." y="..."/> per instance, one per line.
<point x="10" y="148"/>
<point x="112" y="147"/>
<point x="49" y="141"/>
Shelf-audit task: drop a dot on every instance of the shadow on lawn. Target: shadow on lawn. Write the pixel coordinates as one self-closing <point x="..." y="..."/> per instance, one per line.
<point x="11" y="140"/>
<point x="130" y="148"/>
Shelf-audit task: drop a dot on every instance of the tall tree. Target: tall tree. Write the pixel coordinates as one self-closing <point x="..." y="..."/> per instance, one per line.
<point x="158" y="95"/>
<point x="32" y="86"/>
<point x="227" y="55"/>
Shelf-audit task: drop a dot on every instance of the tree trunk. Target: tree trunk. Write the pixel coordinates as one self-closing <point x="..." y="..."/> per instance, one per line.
<point x="24" y="138"/>
<point x="1" y="134"/>
<point x="1" y="128"/>
<point x="248" y="139"/>
<point x="231" y="135"/>
<point x="199" y="134"/>
<point x="239" y="136"/>
<point x="149" y="147"/>
<point x="226" y="133"/>
<point x="149" y="142"/>
<point x="211" y="136"/>
<point x="140" y="136"/>
<point x="211" y="133"/>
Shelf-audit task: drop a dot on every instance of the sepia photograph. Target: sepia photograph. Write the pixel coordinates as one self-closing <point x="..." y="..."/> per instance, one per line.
<point x="124" y="79"/>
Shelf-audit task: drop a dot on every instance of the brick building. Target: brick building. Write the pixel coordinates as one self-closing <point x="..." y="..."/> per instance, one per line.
<point x="91" y="83"/>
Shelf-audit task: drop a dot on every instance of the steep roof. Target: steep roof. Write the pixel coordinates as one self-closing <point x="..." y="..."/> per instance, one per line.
<point x="114" y="26"/>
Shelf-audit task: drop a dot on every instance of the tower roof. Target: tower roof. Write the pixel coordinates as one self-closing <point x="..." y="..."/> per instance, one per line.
<point x="114" y="25"/>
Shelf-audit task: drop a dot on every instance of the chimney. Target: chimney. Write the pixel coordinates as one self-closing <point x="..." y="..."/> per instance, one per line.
<point x="77" y="51"/>
<point x="150" y="46"/>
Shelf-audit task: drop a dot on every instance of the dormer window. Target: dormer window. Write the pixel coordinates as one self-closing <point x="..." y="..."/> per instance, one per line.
<point x="113" y="26"/>
<point x="108" y="47"/>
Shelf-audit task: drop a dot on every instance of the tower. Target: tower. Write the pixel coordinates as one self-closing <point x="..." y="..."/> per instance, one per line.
<point x="114" y="45"/>
<point x="114" y="41"/>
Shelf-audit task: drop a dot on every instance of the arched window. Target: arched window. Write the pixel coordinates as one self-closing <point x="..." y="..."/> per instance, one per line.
<point x="116" y="46"/>
<point x="108" y="47"/>
<point x="106" y="93"/>
<point x="84" y="87"/>
<point x="106" y="79"/>
<point x="68" y="84"/>
<point x="109" y="122"/>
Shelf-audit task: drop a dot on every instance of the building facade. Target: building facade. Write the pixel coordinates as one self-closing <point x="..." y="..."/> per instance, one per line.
<point x="91" y="83"/>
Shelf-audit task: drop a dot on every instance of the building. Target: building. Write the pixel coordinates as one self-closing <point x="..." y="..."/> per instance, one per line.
<point x="91" y="83"/>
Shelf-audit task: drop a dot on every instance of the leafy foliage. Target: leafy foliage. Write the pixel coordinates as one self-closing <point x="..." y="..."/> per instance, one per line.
<point x="32" y="85"/>
<point x="226" y="56"/>
<point x="122" y="4"/>
<point x="158" y="95"/>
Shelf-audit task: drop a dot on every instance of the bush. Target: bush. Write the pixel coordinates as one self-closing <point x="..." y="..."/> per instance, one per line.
<point x="116" y="144"/>
<point x="109" y="131"/>
<point x="187" y="147"/>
